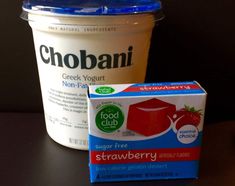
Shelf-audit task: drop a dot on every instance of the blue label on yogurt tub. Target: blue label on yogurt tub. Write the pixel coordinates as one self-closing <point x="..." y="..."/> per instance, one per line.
<point x="94" y="7"/>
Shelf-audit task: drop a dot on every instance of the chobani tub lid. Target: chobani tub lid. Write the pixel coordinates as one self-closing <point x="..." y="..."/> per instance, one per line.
<point x="92" y="7"/>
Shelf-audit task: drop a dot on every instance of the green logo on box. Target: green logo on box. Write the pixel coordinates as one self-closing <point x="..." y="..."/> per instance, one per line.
<point x="109" y="118"/>
<point x="104" y="90"/>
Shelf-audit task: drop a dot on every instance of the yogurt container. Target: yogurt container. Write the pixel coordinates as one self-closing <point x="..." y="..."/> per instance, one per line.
<point x="81" y="43"/>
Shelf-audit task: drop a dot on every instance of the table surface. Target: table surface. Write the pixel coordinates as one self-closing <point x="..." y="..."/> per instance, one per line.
<point x="29" y="157"/>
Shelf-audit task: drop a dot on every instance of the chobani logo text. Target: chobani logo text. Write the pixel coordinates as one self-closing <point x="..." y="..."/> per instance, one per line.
<point x="85" y="60"/>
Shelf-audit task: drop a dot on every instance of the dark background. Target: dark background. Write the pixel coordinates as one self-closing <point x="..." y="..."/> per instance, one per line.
<point x="195" y="41"/>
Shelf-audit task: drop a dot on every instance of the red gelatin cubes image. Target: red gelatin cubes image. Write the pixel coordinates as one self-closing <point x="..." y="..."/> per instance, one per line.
<point x="150" y="117"/>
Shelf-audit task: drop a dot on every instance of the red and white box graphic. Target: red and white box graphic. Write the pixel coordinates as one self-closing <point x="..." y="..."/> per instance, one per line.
<point x="150" y="117"/>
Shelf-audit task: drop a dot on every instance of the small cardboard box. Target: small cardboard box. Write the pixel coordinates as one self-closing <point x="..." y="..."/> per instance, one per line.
<point x="145" y="131"/>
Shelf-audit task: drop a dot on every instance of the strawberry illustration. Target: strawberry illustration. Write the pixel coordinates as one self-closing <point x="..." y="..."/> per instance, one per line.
<point x="187" y="115"/>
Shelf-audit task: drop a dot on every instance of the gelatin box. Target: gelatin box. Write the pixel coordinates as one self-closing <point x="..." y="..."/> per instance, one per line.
<point x="145" y="131"/>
